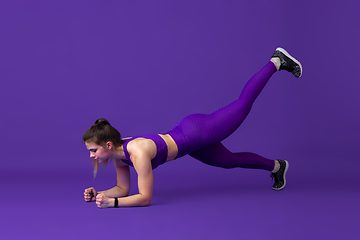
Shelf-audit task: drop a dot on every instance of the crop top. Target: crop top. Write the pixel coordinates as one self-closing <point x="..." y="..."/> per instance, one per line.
<point x="161" y="153"/>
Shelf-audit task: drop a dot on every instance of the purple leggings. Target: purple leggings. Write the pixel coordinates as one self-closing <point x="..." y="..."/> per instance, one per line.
<point x="200" y="135"/>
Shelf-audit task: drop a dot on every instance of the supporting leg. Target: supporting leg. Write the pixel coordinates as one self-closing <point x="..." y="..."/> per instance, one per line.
<point x="219" y="156"/>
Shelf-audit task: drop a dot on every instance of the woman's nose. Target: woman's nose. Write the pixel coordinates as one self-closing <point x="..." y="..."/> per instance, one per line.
<point x="92" y="155"/>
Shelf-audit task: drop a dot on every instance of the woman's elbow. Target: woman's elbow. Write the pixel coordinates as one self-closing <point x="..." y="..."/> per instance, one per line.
<point x="146" y="202"/>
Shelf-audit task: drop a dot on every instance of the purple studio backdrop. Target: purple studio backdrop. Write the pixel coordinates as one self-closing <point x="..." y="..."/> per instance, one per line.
<point x="144" y="65"/>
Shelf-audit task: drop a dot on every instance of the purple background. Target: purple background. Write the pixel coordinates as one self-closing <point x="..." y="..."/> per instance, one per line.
<point x="144" y="65"/>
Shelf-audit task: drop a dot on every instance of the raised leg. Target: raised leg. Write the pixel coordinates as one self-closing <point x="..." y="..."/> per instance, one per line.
<point x="198" y="131"/>
<point x="201" y="130"/>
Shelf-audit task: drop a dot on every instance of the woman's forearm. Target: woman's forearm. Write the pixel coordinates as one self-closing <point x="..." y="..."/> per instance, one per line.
<point x="115" y="192"/>
<point x="137" y="200"/>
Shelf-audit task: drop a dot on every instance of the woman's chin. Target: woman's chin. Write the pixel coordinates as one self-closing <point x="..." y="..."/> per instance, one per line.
<point x="101" y="160"/>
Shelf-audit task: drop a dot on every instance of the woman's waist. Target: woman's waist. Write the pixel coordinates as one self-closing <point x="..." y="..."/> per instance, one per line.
<point x="171" y="146"/>
<point x="177" y="136"/>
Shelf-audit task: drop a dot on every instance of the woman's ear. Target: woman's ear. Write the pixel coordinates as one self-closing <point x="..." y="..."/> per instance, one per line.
<point x="109" y="145"/>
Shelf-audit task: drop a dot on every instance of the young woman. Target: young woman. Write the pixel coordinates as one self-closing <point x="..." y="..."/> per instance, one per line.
<point x="198" y="135"/>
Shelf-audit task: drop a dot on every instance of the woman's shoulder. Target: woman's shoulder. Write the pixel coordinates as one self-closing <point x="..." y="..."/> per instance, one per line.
<point x="141" y="142"/>
<point x="139" y="146"/>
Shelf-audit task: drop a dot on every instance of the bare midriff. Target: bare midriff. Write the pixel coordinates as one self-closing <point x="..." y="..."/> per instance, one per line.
<point x="171" y="145"/>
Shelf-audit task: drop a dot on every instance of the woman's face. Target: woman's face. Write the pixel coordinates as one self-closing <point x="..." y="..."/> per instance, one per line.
<point x="97" y="152"/>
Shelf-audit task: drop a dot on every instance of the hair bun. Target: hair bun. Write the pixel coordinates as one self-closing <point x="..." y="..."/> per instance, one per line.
<point x="101" y="121"/>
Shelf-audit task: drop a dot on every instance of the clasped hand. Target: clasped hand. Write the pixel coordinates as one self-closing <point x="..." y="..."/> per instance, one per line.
<point x="102" y="201"/>
<point x="90" y="194"/>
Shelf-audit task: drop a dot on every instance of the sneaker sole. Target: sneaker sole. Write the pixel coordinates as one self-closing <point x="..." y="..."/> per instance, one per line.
<point x="283" y="51"/>
<point x="286" y="169"/>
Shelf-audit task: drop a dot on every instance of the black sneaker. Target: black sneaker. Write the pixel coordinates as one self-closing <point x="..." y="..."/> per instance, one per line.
<point x="288" y="62"/>
<point x="280" y="180"/>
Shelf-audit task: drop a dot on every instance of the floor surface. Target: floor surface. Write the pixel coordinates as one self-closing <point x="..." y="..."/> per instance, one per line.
<point x="202" y="203"/>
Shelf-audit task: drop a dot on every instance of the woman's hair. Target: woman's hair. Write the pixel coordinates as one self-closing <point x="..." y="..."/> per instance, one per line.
<point x="101" y="133"/>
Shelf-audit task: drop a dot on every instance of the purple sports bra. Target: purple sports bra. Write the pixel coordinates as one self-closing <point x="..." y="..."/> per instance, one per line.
<point x="161" y="154"/>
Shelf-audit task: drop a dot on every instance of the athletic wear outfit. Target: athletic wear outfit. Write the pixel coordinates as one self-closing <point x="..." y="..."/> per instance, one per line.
<point x="200" y="135"/>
